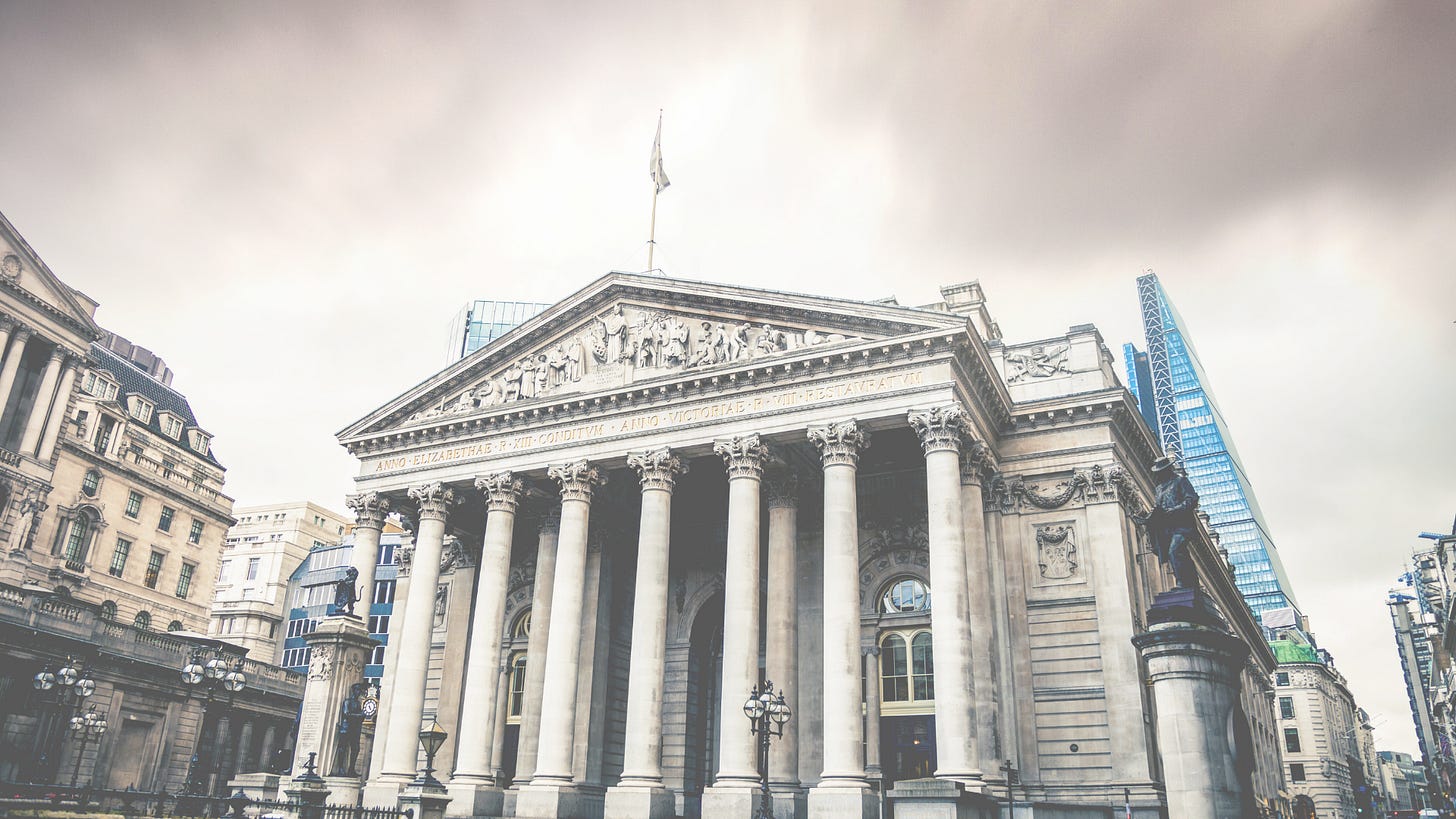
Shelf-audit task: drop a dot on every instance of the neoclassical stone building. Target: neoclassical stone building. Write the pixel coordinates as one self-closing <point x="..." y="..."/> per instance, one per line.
<point x="673" y="490"/>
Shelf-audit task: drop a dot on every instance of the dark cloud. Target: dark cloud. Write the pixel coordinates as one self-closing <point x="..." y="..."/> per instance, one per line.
<point x="289" y="202"/>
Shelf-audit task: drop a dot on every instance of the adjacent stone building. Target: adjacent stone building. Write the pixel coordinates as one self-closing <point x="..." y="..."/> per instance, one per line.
<point x="1321" y="731"/>
<point x="666" y="491"/>
<point x="112" y="516"/>
<point x="262" y="551"/>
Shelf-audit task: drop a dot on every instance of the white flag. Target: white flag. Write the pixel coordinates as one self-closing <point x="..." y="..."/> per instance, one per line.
<point x="659" y="176"/>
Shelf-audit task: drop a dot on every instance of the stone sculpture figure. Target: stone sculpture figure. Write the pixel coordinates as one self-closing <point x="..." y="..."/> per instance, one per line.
<point x="704" y="351"/>
<point x="543" y="375"/>
<point x="30" y="511"/>
<point x="345" y="594"/>
<point x="1171" y="522"/>
<point x="575" y="352"/>
<point x="769" y="341"/>
<point x="528" y="377"/>
<point x="556" y="366"/>
<point x="351" y="722"/>
<point x="613" y="325"/>
<point x="677" y="342"/>
<point x="513" y="382"/>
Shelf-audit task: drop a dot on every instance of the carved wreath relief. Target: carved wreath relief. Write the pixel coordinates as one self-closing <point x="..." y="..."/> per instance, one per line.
<point x="1056" y="552"/>
<point x="621" y="342"/>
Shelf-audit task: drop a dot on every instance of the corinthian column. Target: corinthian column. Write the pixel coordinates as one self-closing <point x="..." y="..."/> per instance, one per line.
<point x="550" y="794"/>
<point x="640" y="794"/>
<point x="16" y="351"/>
<point x="370" y="509"/>
<point x="35" y="424"/>
<point x="941" y="431"/>
<point x="843" y="790"/>
<point x="536" y="642"/>
<point x="781" y="641"/>
<point x="977" y="461"/>
<point x="734" y="790"/>
<point x="473" y="789"/>
<point x="407" y="706"/>
<point x="58" y="411"/>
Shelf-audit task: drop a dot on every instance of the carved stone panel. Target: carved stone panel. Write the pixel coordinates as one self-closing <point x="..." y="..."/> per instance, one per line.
<point x="1058" y="554"/>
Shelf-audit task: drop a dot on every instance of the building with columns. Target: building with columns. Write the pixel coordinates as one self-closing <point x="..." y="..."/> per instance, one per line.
<point x="112" y="516"/>
<point x="671" y="491"/>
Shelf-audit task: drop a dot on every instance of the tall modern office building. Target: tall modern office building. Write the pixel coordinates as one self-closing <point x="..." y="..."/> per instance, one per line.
<point x="480" y="322"/>
<point x="1173" y="394"/>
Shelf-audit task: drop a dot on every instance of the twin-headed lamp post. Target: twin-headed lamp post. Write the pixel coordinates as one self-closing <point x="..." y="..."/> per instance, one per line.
<point x="72" y="687"/>
<point x="209" y="675"/>
<point x="767" y="712"/>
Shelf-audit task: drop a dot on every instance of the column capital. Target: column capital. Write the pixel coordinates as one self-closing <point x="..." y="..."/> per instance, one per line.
<point x="369" y="508"/>
<point x="657" y="468"/>
<point x="59" y="354"/>
<point x="781" y="485"/>
<point x="8" y="322"/>
<point x="941" y="429"/>
<point x="434" y="499"/>
<point x="502" y="491"/>
<point x="743" y="455"/>
<point x="839" y="443"/>
<point x="978" y="463"/>
<point x="870" y="651"/>
<point x="22" y="332"/>
<point x="578" y="479"/>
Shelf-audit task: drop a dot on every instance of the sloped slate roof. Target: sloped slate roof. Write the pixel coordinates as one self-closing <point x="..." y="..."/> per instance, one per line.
<point x="165" y="399"/>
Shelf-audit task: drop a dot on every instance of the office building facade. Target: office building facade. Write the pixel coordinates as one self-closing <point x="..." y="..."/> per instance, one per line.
<point x="482" y="321"/>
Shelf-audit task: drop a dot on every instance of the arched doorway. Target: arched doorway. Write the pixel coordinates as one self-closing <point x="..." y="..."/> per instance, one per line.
<point x="705" y="666"/>
<point x="906" y="679"/>
<point x="1304" y="808"/>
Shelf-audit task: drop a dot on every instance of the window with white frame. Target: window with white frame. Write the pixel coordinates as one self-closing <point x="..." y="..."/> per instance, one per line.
<point x="139" y="408"/>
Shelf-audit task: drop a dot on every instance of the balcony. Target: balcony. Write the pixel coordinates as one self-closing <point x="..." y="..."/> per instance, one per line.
<point x="9" y="458"/>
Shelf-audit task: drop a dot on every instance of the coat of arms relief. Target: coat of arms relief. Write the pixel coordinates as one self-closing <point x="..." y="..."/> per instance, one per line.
<point x="624" y="344"/>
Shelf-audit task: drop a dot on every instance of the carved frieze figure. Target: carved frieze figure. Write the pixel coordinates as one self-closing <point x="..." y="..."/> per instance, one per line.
<point x="465" y="403"/>
<point x="1172" y="521"/>
<point x="528" y="377"/>
<point x="492" y="392"/>
<point x="575" y="352"/>
<point x="614" y="324"/>
<point x="351" y="722"/>
<point x="556" y="366"/>
<point x="441" y="597"/>
<point x="543" y="375"/>
<point x="31" y="508"/>
<point x="676" y="351"/>
<point x="512" y="378"/>
<point x="1038" y="362"/>
<point x="1056" y="552"/>
<point x="769" y="341"/>
<point x="597" y="341"/>
<point x="704" y="350"/>
<point x="345" y="592"/>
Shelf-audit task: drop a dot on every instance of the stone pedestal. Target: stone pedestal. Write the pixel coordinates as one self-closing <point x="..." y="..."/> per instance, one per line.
<point x="559" y="802"/>
<point x="790" y="803"/>
<point x="256" y="786"/>
<point x="1193" y="667"/>
<point x="309" y="794"/>
<point x="344" y="790"/>
<point x="940" y="799"/>
<point x="427" y="799"/>
<point x="730" y="802"/>
<point x="640" y="803"/>
<point x="475" y="799"/>
<point x="842" y="803"/>
<point x="340" y="647"/>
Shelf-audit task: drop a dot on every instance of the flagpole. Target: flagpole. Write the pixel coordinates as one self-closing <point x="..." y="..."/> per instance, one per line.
<point x="656" y="188"/>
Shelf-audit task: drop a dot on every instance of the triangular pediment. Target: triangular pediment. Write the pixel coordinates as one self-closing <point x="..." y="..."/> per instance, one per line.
<point x="46" y="299"/>
<point x="626" y="330"/>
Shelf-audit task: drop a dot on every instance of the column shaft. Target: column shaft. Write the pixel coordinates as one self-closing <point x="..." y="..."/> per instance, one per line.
<point x="408" y="700"/>
<point x="642" y="766"/>
<point x="558" y="695"/>
<point x="737" y="748"/>
<point x="482" y="670"/>
<point x="498" y="731"/>
<point x="58" y="413"/>
<point x="370" y="509"/>
<point x="872" y="712"/>
<point x="839" y="444"/>
<point x="981" y="584"/>
<point x="781" y="647"/>
<point x="528" y="736"/>
<point x="35" y="422"/>
<point x="19" y="339"/>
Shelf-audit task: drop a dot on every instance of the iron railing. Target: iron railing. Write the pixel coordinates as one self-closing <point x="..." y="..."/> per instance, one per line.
<point x="25" y="799"/>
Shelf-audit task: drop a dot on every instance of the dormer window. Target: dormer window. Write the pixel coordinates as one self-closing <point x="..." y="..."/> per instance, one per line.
<point x="171" y="425"/>
<point x="140" y="408"/>
<point x="98" y="385"/>
<point x="199" y="440"/>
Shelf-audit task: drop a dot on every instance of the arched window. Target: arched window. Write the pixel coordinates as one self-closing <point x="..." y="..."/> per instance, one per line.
<point x="894" y="669"/>
<point x="143" y="620"/>
<point x="905" y="594"/>
<point x="907" y="668"/>
<point x="78" y="532"/>
<point x="108" y="610"/>
<point x="91" y="483"/>
<point x="922" y="667"/>
<point x="523" y="626"/>
<point x="175" y="625"/>
<point x="518" y="685"/>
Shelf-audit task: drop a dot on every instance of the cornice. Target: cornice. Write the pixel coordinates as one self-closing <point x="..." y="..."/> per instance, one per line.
<point x="89" y="332"/>
<point x="805" y="366"/>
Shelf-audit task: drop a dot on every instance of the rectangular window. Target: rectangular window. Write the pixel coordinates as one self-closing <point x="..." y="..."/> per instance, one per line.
<point x="1291" y="740"/>
<point x="376" y="656"/>
<point x="384" y="591"/>
<point x="118" y="557"/>
<point x="1296" y="772"/>
<point x="154" y="569"/>
<point x="253" y="563"/>
<point x="184" y="579"/>
<point x="386" y="554"/>
<point x="165" y="522"/>
<point x="195" y="535"/>
<point x="1281" y="678"/>
<point x="134" y="504"/>
<point x="1286" y="708"/>
<point x="379" y="624"/>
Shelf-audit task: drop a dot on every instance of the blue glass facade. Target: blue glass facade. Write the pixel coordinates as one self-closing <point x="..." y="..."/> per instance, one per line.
<point x="311" y="591"/>
<point x="481" y="322"/>
<point x="1173" y="394"/>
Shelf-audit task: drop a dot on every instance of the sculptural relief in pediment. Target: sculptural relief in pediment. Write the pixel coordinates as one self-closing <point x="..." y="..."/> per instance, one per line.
<point x="628" y="343"/>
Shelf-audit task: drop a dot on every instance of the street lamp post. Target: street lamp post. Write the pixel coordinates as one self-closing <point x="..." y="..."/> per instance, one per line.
<point x="71" y="686"/>
<point x="85" y="727"/>
<point x="767" y="712"/>
<point x="209" y="675"/>
<point x="431" y="739"/>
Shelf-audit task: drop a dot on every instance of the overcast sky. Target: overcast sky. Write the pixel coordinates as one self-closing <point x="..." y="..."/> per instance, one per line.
<point x="289" y="204"/>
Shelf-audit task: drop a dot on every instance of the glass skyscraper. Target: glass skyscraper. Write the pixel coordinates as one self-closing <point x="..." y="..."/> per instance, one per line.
<point x="1173" y="394"/>
<point x="481" y="322"/>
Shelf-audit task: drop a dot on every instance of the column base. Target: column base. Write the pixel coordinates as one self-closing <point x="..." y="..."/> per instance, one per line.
<point x="640" y="802"/>
<point x="940" y="799"/>
<point x="427" y="801"/>
<point x="843" y="803"/>
<point x="383" y="791"/>
<point x="558" y="802"/>
<point x="730" y="801"/>
<point x="474" y="798"/>
<point x="789" y="802"/>
<point x="343" y="790"/>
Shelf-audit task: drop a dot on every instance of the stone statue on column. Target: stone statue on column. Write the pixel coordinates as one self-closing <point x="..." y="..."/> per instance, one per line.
<point x="351" y="722"/>
<point x="345" y="592"/>
<point x="1171" y="522"/>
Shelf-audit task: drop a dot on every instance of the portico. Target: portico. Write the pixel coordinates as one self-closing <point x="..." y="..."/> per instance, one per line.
<point x="755" y="485"/>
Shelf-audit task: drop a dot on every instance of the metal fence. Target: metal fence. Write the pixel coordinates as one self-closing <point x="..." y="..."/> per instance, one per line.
<point x="28" y="800"/>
